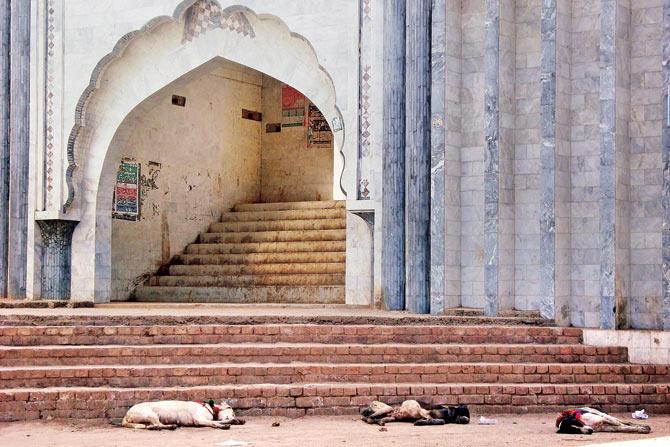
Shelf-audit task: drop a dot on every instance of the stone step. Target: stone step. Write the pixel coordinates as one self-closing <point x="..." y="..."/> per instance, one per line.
<point x="298" y="294"/>
<point x="333" y="398"/>
<point x="90" y="353"/>
<point x="258" y="269"/>
<point x="267" y="247"/>
<point x="301" y="214"/>
<point x="261" y="258"/>
<point x="278" y="206"/>
<point x="322" y="279"/>
<point x="273" y="236"/>
<point x="213" y="374"/>
<point x="279" y="225"/>
<point x="157" y="329"/>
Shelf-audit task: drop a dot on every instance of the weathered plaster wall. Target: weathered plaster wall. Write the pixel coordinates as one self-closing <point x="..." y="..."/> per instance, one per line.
<point x="291" y="169"/>
<point x="196" y="161"/>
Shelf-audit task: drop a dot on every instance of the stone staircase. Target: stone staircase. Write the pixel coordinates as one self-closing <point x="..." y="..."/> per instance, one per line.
<point x="94" y="367"/>
<point x="292" y="252"/>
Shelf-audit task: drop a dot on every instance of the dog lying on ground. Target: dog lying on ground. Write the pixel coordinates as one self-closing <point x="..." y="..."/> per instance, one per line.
<point x="588" y="420"/>
<point x="417" y="412"/>
<point x="170" y="414"/>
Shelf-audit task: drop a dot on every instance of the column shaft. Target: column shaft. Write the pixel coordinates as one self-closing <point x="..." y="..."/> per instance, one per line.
<point x="19" y="147"/>
<point x="666" y="165"/>
<point x="417" y="157"/>
<point x="393" y="157"/>
<point x="4" y="141"/>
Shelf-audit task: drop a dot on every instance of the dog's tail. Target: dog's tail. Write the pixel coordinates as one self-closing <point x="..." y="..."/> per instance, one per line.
<point x="116" y="422"/>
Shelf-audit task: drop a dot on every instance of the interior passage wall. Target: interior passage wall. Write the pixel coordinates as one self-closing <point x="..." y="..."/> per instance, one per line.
<point x="197" y="161"/>
<point x="292" y="169"/>
<point x="646" y="169"/>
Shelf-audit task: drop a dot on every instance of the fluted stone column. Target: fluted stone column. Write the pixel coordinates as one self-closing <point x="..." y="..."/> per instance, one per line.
<point x="417" y="157"/>
<point x="393" y="157"/>
<point x="4" y="141"/>
<point x="19" y="148"/>
<point x="57" y="258"/>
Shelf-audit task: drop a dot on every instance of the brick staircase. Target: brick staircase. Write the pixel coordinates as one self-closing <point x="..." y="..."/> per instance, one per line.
<point x="291" y="252"/>
<point x="92" y="367"/>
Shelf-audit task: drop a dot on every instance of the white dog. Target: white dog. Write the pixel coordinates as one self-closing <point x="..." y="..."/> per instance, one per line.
<point x="170" y="414"/>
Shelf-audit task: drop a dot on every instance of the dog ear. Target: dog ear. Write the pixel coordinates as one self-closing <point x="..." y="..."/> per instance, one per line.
<point x="211" y="403"/>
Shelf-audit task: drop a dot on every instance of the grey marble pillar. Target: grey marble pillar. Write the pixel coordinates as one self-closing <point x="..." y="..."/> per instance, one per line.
<point x="18" y="146"/>
<point x="548" y="160"/>
<point x="4" y="141"/>
<point x="417" y="156"/>
<point x="491" y="155"/>
<point x="57" y="258"/>
<point x="438" y="226"/>
<point x="393" y="157"/>
<point x="614" y="162"/>
<point x="666" y="165"/>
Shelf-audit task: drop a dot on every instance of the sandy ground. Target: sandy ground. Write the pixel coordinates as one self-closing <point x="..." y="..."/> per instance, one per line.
<point x="517" y="431"/>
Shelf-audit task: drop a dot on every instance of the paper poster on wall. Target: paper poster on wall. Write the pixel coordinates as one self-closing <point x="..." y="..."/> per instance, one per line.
<point x="127" y="192"/>
<point x="292" y="107"/>
<point x="318" y="132"/>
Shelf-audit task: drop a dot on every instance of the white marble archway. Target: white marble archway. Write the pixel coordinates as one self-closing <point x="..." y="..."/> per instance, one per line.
<point x="142" y="63"/>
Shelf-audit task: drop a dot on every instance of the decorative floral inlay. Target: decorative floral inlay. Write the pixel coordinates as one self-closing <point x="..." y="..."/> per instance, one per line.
<point x="49" y="102"/>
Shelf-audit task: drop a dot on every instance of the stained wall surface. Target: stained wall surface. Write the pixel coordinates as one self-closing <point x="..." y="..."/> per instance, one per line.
<point x="197" y="161"/>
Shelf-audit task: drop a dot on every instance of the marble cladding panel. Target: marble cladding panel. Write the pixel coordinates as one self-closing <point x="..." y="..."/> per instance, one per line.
<point x="584" y="159"/>
<point x="472" y="154"/>
<point x="665" y="149"/>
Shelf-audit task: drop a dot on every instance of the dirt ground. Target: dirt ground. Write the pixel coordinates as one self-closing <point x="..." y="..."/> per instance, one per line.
<point x="517" y="431"/>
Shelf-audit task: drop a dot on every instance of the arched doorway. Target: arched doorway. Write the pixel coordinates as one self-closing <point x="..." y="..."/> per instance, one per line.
<point x="125" y="84"/>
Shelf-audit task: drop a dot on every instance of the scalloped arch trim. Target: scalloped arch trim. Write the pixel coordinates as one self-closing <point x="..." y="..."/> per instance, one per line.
<point x="180" y="12"/>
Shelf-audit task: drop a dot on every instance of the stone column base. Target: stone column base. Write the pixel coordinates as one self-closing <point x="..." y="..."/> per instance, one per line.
<point x="57" y="258"/>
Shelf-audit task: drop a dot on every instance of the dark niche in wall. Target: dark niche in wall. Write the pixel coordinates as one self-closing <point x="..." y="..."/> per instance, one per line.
<point x="178" y="100"/>
<point x="251" y="115"/>
<point x="272" y="127"/>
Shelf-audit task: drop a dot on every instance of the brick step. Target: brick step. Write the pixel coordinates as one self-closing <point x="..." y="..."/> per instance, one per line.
<point x="303" y="352"/>
<point x="302" y="214"/>
<point x="152" y="329"/>
<point x="261" y="258"/>
<point x="258" y="269"/>
<point x="125" y="376"/>
<point x="273" y="236"/>
<point x="267" y="247"/>
<point x="333" y="398"/>
<point x="279" y="225"/>
<point x="475" y="312"/>
<point x="284" y="294"/>
<point x="277" y="206"/>
<point x="322" y="279"/>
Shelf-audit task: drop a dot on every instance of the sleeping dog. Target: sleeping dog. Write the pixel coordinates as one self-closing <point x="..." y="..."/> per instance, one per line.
<point x="588" y="420"/>
<point x="170" y="414"/>
<point x="417" y="412"/>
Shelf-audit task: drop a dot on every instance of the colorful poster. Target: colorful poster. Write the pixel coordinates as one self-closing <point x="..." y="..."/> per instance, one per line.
<point x="127" y="192"/>
<point x="292" y="107"/>
<point x="318" y="132"/>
